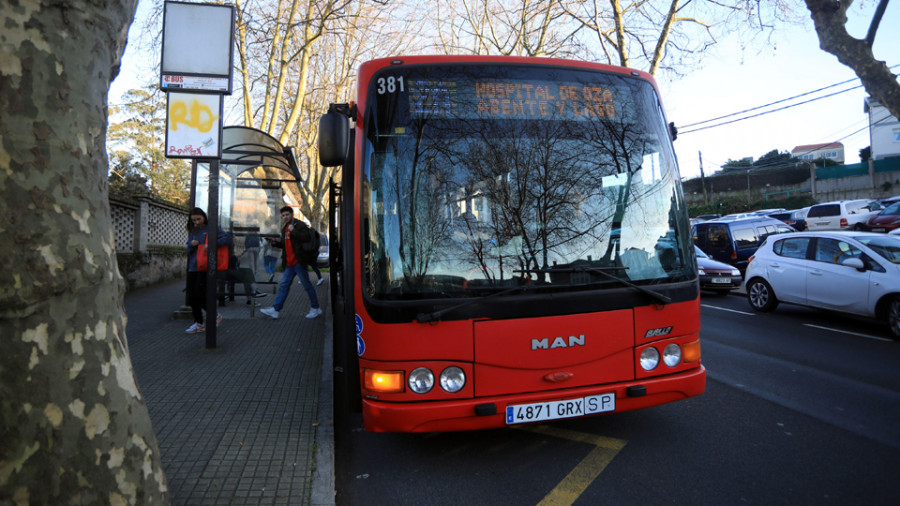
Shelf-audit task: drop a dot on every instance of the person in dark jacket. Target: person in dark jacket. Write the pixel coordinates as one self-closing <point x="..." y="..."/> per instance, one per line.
<point x="298" y="252"/>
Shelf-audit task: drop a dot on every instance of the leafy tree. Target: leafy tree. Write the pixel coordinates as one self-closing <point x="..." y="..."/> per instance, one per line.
<point x="773" y="158"/>
<point x="136" y="145"/>
<point x="742" y="164"/>
<point x="75" y="426"/>
<point x="865" y="153"/>
<point x="830" y="19"/>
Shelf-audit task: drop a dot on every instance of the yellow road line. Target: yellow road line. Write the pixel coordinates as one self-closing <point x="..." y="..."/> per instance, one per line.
<point x="578" y="480"/>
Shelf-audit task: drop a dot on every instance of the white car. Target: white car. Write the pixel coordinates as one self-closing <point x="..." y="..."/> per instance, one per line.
<point x="841" y="215"/>
<point x="850" y="272"/>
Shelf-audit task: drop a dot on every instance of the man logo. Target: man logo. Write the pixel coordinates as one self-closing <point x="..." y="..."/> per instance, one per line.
<point x="558" y="342"/>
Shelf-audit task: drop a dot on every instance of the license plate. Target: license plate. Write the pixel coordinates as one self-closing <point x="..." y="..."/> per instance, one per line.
<point x="879" y="229"/>
<point x="721" y="281"/>
<point x="555" y="410"/>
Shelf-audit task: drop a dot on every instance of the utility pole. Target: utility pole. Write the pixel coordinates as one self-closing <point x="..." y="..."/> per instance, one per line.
<point x="703" y="178"/>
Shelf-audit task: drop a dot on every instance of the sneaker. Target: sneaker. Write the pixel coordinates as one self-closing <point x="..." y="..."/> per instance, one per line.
<point x="270" y="312"/>
<point x="259" y="294"/>
<point x="314" y="312"/>
<point x="196" y="328"/>
<point x="320" y="281"/>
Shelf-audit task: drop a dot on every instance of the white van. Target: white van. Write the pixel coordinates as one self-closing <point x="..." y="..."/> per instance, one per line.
<point x="841" y="215"/>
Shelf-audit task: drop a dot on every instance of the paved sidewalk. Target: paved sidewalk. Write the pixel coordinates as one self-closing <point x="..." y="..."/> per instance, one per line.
<point x="249" y="422"/>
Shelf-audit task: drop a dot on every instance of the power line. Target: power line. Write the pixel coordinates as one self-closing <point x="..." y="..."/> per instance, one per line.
<point x="773" y="103"/>
<point x="851" y="134"/>
<point x="765" y="112"/>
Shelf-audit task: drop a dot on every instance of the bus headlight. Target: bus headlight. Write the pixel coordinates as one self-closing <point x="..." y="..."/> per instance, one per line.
<point x="649" y="358"/>
<point x="453" y="379"/>
<point x="421" y="380"/>
<point x="672" y="355"/>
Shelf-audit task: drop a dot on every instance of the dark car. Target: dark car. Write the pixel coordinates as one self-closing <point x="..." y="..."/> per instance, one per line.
<point x="733" y="242"/>
<point x="795" y="218"/>
<point x="885" y="221"/>
<point x="716" y="276"/>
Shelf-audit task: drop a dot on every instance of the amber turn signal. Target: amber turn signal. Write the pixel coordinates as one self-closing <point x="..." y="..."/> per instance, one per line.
<point x="691" y="351"/>
<point x="387" y="382"/>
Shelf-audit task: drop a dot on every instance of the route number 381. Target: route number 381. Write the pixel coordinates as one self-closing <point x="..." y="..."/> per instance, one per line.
<point x="390" y="85"/>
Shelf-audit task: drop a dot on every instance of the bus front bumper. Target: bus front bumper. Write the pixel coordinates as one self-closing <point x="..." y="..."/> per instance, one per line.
<point x="444" y="416"/>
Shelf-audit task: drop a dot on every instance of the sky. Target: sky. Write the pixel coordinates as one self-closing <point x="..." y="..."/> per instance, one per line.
<point x="728" y="81"/>
<point x="731" y="81"/>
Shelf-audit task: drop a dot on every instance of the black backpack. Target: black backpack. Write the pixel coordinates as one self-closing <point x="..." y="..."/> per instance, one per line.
<point x="314" y="240"/>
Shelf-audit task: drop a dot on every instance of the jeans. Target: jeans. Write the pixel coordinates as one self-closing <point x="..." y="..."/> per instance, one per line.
<point x="269" y="264"/>
<point x="287" y="279"/>
<point x="253" y="253"/>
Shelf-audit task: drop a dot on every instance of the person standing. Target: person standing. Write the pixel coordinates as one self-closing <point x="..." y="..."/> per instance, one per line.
<point x="251" y="248"/>
<point x="197" y="227"/>
<point x="270" y="256"/>
<point x="298" y="252"/>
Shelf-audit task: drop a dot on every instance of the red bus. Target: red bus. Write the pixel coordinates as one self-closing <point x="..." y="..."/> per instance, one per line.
<point x="509" y="244"/>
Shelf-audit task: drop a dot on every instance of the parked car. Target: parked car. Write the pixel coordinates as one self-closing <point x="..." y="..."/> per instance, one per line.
<point x="850" y="272"/>
<point x="767" y="212"/>
<point x="796" y="218"/>
<point x="732" y="242"/>
<point x="842" y="215"/>
<point x="890" y="200"/>
<point x="886" y="220"/>
<point x="716" y="276"/>
<point x="322" y="259"/>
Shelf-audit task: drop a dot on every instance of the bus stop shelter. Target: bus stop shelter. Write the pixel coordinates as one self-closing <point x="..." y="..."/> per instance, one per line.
<point x="242" y="194"/>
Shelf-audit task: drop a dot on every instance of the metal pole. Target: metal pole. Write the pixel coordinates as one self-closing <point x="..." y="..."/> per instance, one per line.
<point x="703" y="179"/>
<point x="212" y="234"/>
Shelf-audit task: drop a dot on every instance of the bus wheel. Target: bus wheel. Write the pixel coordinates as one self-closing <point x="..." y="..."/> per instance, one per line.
<point x="893" y="316"/>
<point x="761" y="296"/>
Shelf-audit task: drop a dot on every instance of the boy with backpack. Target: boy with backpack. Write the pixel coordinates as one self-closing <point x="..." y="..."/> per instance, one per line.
<point x="298" y="251"/>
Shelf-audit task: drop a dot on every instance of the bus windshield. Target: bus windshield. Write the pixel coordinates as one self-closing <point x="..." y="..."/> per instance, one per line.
<point x="477" y="178"/>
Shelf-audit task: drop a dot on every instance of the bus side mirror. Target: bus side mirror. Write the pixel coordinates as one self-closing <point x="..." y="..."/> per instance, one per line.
<point x="334" y="138"/>
<point x="673" y="131"/>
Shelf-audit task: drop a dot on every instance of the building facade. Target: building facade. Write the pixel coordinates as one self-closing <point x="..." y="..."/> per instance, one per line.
<point x="833" y="151"/>
<point x="884" y="131"/>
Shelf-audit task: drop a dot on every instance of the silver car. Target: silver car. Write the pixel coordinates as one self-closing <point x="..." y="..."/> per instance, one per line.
<point x="322" y="258"/>
<point x="850" y="272"/>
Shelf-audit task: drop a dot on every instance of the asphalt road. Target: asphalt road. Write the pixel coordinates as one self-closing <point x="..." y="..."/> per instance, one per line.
<point x="793" y="414"/>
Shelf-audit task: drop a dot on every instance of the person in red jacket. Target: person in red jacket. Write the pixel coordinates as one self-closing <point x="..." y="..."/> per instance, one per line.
<point x="196" y="278"/>
<point x="297" y="253"/>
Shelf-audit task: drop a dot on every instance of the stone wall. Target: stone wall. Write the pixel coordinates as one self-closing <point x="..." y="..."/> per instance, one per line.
<point x="876" y="180"/>
<point x="150" y="240"/>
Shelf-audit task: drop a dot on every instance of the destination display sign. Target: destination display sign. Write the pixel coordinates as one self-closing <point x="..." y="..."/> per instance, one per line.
<point x="509" y="99"/>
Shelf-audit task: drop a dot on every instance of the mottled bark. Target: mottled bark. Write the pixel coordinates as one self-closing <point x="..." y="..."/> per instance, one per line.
<point x="74" y="428"/>
<point x="830" y="19"/>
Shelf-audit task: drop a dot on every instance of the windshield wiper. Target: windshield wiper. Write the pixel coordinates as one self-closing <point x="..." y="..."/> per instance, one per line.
<point x="603" y="272"/>
<point x="436" y="315"/>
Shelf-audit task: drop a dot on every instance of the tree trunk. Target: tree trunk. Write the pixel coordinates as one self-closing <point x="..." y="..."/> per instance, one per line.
<point x="880" y="82"/>
<point x="75" y="428"/>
